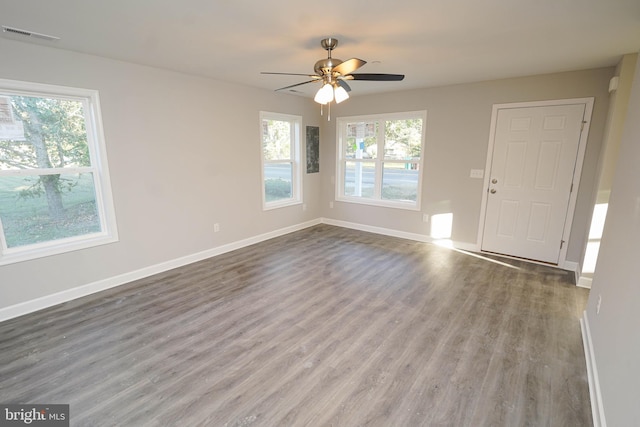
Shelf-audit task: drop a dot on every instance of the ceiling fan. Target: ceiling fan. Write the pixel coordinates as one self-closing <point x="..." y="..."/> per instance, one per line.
<point x="333" y="73"/>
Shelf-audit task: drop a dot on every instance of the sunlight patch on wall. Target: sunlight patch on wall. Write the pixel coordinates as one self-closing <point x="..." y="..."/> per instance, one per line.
<point x="597" y="221"/>
<point x="590" y="257"/>
<point x="441" y="226"/>
<point x="595" y="234"/>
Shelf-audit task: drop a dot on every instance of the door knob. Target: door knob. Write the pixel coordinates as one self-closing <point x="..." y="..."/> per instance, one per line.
<point x="494" y="181"/>
<point x="493" y="191"/>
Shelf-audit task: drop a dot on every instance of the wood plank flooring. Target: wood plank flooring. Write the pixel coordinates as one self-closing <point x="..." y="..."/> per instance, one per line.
<point x="322" y="327"/>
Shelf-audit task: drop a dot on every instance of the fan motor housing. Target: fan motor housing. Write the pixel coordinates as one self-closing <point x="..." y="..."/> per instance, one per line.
<point x="326" y="72"/>
<point x="324" y="66"/>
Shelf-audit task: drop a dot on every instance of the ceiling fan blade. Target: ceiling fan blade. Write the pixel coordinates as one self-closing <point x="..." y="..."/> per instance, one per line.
<point x="293" y="74"/>
<point x="348" y="66"/>
<point x="298" y="84"/>
<point x="376" y="77"/>
<point x="344" y="85"/>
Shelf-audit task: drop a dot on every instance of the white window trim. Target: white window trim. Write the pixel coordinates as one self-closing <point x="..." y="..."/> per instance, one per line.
<point x="99" y="168"/>
<point x="340" y="160"/>
<point x="296" y="169"/>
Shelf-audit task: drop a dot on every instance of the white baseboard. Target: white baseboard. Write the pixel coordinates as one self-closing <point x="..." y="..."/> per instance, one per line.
<point x="571" y="266"/>
<point x="377" y="230"/>
<point x="584" y="282"/>
<point x="401" y="234"/>
<point x="597" y="410"/>
<point x="111" y="282"/>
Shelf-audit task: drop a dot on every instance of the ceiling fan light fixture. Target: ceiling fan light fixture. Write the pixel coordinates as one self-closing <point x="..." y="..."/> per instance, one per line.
<point x="333" y="73"/>
<point x="324" y="95"/>
<point x="340" y="94"/>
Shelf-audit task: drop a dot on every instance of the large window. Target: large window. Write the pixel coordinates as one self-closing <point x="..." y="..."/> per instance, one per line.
<point x="380" y="159"/>
<point x="54" y="184"/>
<point x="281" y="173"/>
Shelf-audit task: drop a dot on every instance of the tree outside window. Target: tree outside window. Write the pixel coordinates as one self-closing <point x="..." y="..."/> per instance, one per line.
<point x="52" y="193"/>
<point x="380" y="158"/>
<point x="281" y="171"/>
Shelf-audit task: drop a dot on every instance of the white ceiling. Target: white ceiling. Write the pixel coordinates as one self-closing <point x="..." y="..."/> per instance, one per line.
<point x="432" y="42"/>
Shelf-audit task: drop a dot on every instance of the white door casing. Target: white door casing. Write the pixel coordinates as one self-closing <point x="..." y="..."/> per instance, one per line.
<point x="534" y="161"/>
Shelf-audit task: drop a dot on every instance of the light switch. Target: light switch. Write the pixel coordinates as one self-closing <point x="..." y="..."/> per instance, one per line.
<point x="477" y="173"/>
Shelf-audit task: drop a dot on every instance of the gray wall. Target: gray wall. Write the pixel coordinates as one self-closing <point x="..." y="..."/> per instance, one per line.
<point x="616" y="115"/>
<point x="184" y="153"/>
<point x="614" y="332"/>
<point x="458" y="124"/>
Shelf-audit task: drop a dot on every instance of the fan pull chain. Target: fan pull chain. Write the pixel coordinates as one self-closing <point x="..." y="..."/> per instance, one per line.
<point x="328" y="111"/>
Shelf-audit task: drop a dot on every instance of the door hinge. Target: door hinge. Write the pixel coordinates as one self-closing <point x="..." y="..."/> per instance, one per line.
<point x="582" y="125"/>
<point x="571" y="189"/>
<point x="561" y="243"/>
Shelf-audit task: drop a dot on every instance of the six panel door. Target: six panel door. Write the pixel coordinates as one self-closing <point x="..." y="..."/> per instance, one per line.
<point x="534" y="157"/>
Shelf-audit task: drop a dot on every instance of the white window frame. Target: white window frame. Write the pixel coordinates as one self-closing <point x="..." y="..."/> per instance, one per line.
<point x="377" y="200"/>
<point x="296" y="170"/>
<point x="98" y="168"/>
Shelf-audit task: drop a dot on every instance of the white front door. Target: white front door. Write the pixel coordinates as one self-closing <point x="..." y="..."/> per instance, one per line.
<point x="530" y="180"/>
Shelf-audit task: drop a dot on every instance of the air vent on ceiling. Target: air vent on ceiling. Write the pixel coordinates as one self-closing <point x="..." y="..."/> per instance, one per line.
<point x="26" y="33"/>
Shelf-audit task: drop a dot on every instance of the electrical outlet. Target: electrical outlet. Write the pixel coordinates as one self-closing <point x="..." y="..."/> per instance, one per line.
<point x="425" y="217"/>
<point x="216" y="227"/>
<point x="598" y="304"/>
<point x="330" y="205"/>
<point x="304" y="206"/>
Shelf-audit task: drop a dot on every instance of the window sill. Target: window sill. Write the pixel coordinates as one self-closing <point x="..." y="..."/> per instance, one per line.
<point x="410" y="206"/>
<point x="282" y="204"/>
<point x="32" y="252"/>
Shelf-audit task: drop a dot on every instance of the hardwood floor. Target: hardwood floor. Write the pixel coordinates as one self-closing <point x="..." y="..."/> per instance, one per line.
<point x="322" y="327"/>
